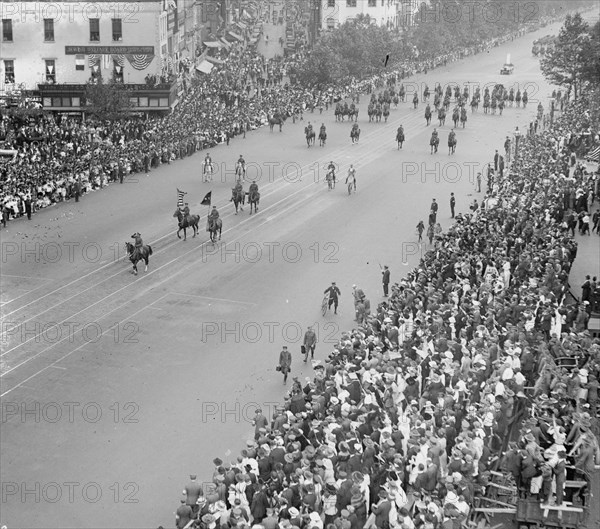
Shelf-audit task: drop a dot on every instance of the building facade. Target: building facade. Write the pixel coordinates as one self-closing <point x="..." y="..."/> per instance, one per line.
<point x="333" y="13"/>
<point x="55" y="47"/>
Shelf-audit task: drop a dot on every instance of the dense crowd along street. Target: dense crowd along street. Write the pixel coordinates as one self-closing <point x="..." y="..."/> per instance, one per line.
<point x="375" y="342"/>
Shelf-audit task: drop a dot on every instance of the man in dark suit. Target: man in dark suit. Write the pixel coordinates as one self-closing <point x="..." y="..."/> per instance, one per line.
<point x="452" y="204"/>
<point x="501" y="166"/>
<point x="385" y="280"/>
<point x="193" y="490"/>
<point x="183" y="515"/>
<point x="334" y="294"/>
<point x="382" y="511"/>
<point x="496" y="160"/>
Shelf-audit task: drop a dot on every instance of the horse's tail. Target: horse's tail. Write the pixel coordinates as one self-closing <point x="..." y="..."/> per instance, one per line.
<point x="149" y="250"/>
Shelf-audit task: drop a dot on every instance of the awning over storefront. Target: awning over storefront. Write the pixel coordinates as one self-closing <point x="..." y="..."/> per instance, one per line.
<point x="204" y="67"/>
<point x="225" y="43"/>
<point x="241" y="25"/>
<point x="214" y="60"/>
<point x="213" y="44"/>
<point x="236" y="36"/>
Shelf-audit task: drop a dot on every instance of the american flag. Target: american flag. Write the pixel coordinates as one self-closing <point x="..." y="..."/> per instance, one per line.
<point x="180" y="195"/>
<point x="594" y="156"/>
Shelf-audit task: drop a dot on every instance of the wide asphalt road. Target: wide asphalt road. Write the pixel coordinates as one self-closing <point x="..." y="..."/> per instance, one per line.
<point x="115" y="388"/>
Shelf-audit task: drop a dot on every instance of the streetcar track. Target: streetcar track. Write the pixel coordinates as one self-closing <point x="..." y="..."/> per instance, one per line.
<point x="373" y="137"/>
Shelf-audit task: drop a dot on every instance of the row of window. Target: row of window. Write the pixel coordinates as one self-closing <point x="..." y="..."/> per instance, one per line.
<point x="117" y="30"/>
<point x="50" y="70"/>
<point x="352" y="3"/>
<point x="75" y="102"/>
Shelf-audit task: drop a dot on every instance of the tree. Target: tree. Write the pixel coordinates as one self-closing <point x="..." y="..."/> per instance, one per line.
<point x="566" y="64"/>
<point x="591" y="70"/>
<point x="107" y="101"/>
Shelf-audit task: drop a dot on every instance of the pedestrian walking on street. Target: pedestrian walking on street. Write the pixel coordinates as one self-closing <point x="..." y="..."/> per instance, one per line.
<point x="192" y="491"/>
<point x="420" y="229"/>
<point x="259" y="422"/>
<point x="452" y="203"/>
<point x="334" y="294"/>
<point x="496" y="160"/>
<point x="479" y="182"/>
<point x="285" y="362"/>
<point x="310" y="343"/>
<point x="385" y="280"/>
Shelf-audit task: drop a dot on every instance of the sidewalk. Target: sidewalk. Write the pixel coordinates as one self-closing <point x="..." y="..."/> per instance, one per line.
<point x="587" y="261"/>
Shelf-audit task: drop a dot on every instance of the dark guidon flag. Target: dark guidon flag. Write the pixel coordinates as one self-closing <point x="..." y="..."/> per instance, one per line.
<point x="180" y="195"/>
<point x="207" y="199"/>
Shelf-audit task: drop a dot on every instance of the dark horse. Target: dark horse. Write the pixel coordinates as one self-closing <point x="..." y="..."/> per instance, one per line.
<point x="214" y="227"/>
<point x="275" y="120"/>
<point x="191" y="221"/>
<point x="144" y="253"/>
<point x="400" y="137"/>
<point x="253" y="200"/>
<point x="427" y="115"/>
<point x="238" y="197"/>
<point x="322" y="138"/>
<point x="355" y="133"/>
<point x="310" y="136"/>
<point x="434" y="142"/>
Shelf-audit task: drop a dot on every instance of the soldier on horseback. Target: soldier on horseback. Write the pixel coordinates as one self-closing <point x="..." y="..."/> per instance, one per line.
<point x="253" y="196"/>
<point x="323" y="129"/>
<point x="238" y="196"/>
<point x="253" y="188"/>
<point x="138" y="244"/>
<point x="214" y="215"/>
<point x="241" y="166"/>
<point x="331" y="170"/>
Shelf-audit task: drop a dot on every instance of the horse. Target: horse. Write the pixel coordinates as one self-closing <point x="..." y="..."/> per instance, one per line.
<point x="330" y="178"/>
<point x="400" y="138"/>
<point x="378" y="113"/>
<point x="486" y="104"/>
<point x="322" y="138"/>
<point x="524" y="98"/>
<point x="386" y="111"/>
<point x="451" y="143"/>
<point x="474" y="104"/>
<point x="190" y="221"/>
<point x="427" y="115"/>
<point x="463" y="117"/>
<point x="238" y="197"/>
<point x="455" y="117"/>
<point x="371" y="111"/>
<point x="144" y="253"/>
<point x="396" y="100"/>
<point x="240" y="170"/>
<point x="310" y="136"/>
<point x="275" y="120"/>
<point x="436" y="100"/>
<point x="353" y="114"/>
<point x="511" y="97"/>
<point x="207" y="172"/>
<point x="253" y="200"/>
<point x="434" y="142"/>
<point x="426" y="93"/>
<point x="214" y="227"/>
<point x="402" y="93"/>
<point x="355" y="134"/>
<point x="415" y="101"/>
<point x="442" y="116"/>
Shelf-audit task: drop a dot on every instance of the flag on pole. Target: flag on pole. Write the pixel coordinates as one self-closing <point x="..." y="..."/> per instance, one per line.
<point x="594" y="156"/>
<point x="207" y="199"/>
<point x="180" y="195"/>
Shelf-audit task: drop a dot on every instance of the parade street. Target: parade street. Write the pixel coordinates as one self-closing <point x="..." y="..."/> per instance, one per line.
<point x="116" y="387"/>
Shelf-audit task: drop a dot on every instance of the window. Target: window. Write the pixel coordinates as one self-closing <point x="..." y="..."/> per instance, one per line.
<point x="350" y="3"/>
<point x="79" y="62"/>
<point x="372" y="3"/>
<point x="117" y="29"/>
<point x="330" y="3"/>
<point x="49" y="29"/>
<point x="7" y="35"/>
<point x="330" y="23"/>
<point x="9" y="71"/>
<point x="50" y="71"/>
<point x="94" y="29"/>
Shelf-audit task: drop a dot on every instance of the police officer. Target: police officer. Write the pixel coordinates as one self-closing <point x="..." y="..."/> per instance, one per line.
<point x="138" y="243"/>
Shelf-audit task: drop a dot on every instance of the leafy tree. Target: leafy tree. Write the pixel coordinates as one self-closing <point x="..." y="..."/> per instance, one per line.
<point x="107" y="101"/>
<point x="566" y="63"/>
<point x="591" y="70"/>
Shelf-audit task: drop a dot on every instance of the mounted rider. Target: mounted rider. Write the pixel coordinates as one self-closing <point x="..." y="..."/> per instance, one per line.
<point x="186" y="210"/>
<point x="322" y="130"/>
<point x="242" y="163"/>
<point x="253" y="188"/>
<point x="208" y="162"/>
<point x="452" y="137"/>
<point x="138" y="245"/>
<point x="434" y="135"/>
<point x="213" y="216"/>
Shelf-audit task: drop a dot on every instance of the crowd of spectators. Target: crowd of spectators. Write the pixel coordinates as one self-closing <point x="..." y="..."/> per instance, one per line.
<point x="61" y="157"/>
<point x="479" y="362"/>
